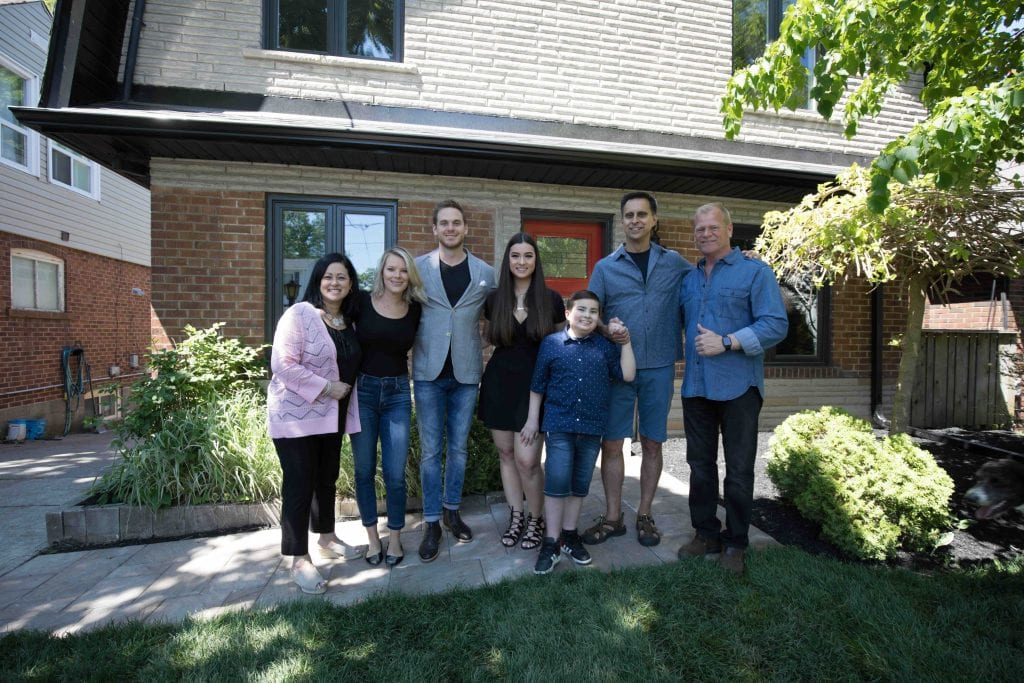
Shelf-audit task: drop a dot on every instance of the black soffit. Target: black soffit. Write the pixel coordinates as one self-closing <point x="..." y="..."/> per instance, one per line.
<point x="252" y="128"/>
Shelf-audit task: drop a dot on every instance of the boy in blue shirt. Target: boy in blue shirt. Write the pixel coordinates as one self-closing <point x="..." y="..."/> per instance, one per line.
<point x="572" y="378"/>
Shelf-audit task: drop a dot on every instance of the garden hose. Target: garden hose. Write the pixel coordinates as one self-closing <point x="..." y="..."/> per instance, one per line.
<point x="74" y="380"/>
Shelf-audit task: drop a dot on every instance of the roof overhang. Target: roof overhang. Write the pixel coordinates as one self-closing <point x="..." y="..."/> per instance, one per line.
<point x="251" y="128"/>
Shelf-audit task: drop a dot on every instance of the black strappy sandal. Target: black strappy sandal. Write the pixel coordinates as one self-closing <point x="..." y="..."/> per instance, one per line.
<point x="534" y="535"/>
<point x="511" y="537"/>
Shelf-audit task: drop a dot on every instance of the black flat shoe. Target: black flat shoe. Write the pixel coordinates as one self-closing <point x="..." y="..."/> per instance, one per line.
<point x="393" y="560"/>
<point x="375" y="559"/>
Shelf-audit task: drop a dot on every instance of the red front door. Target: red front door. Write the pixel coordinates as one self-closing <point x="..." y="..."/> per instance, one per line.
<point x="568" y="251"/>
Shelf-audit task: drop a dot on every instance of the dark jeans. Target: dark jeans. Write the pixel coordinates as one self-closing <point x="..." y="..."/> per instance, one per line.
<point x="310" y="469"/>
<point x="737" y="422"/>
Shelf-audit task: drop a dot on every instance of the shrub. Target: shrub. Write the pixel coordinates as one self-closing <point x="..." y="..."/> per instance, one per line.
<point x="196" y="429"/>
<point x="871" y="496"/>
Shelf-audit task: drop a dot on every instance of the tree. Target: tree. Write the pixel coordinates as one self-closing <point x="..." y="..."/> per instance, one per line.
<point x="972" y="58"/>
<point x="926" y="238"/>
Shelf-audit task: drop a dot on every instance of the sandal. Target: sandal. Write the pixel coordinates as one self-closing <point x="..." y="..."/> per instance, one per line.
<point x="534" y="535"/>
<point x="646" y="532"/>
<point x="602" y="530"/>
<point x="308" y="579"/>
<point x="511" y="537"/>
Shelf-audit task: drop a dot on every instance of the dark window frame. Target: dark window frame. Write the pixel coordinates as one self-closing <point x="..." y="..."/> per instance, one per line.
<point x="336" y="208"/>
<point x="743" y="236"/>
<point x="336" y="30"/>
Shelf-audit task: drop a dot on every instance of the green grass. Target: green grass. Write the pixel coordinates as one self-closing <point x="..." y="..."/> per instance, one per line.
<point x="794" y="617"/>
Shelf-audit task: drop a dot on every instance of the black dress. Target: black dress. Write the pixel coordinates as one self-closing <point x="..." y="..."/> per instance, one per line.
<point x="505" y="387"/>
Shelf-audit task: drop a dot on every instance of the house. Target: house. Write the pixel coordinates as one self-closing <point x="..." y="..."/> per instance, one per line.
<point x="271" y="131"/>
<point x="74" y="252"/>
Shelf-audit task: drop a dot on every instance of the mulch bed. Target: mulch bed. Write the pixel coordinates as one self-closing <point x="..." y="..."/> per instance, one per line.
<point x="960" y="453"/>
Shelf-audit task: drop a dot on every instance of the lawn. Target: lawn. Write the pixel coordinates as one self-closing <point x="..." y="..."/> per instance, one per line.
<point x="795" y="616"/>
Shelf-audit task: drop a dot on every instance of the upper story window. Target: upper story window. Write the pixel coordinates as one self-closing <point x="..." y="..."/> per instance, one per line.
<point x="37" y="281"/>
<point x="19" y="146"/>
<point x="347" y="28"/>
<point x="755" y="23"/>
<point x="74" y="171"/>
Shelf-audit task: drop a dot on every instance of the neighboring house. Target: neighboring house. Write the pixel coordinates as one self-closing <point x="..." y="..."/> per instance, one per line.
<point x="74" y="248"/>
<point x="270" y="131"/>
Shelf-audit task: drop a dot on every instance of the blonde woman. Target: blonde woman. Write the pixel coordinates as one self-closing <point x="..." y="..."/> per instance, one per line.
<point x="386" y="326"/>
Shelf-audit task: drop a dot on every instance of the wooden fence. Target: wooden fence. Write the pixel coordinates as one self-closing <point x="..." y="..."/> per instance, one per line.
<point x="958" y="381"/>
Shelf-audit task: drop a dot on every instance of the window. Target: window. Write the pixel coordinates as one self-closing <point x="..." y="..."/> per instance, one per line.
<point x="37" y="281"/>
<point x="349" y="28"/>
<point x="755" y="23"/>
<point x="19" y="146"/>
<point x="74" y="171"/>
<point x="807" y="308"/>
<point x="302" y="229"/>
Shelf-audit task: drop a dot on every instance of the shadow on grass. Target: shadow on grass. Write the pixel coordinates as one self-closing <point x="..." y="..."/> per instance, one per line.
<point x="794" y="616"/>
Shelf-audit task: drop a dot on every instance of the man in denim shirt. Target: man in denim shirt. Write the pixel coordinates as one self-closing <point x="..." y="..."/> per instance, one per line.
<point x="638" y="284"/>
<point x="733" y="311"/>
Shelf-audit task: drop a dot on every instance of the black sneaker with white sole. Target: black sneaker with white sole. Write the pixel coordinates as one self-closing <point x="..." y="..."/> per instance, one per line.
<point x="572" y="545"/>
<point x="548" y="557"/>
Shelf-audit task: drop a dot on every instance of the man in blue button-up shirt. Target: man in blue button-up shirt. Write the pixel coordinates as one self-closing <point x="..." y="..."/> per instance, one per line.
<point x="638" y="283"/>
<point x="733" y="311"/>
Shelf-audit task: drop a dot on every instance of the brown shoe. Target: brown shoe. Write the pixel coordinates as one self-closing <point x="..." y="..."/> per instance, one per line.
<point x="700" y="547"/>
<point x="732" y="560"/>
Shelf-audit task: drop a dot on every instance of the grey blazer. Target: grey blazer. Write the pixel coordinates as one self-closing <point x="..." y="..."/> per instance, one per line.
<point x="444" y="327"/>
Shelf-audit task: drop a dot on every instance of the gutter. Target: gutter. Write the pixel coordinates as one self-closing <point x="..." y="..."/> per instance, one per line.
<point x="876" y="358"/>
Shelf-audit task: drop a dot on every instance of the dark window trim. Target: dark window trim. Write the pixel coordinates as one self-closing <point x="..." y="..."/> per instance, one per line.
<point x="748" y="233"/>
<point x="336" y="38"/>
<point x="336" y="208"/>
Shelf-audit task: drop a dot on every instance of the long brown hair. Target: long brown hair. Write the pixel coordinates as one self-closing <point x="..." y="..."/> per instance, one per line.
<point x="539" y="311"/>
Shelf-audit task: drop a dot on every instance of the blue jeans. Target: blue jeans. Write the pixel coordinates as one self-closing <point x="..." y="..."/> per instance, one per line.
<point x="385" y="412"/>
<point x="736" y="420"/>
<point x="569" y="463"/>
<point x="444" y="413"/>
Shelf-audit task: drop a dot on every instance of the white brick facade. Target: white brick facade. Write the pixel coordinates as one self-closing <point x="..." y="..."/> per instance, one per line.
<point x="629" y="64"/>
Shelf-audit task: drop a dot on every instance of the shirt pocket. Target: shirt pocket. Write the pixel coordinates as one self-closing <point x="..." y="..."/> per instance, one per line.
<point x="734" y="305"/>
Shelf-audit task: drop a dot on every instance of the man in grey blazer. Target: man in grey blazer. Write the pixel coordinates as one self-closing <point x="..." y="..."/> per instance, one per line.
<point x="447" y="365"/>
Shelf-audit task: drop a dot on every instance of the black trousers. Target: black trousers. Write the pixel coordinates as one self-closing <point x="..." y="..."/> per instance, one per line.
<point x="310" y="466"/>
<point x="737" y="421"/>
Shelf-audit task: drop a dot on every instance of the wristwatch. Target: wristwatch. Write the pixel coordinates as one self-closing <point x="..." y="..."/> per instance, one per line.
<point x="727" y="343"/>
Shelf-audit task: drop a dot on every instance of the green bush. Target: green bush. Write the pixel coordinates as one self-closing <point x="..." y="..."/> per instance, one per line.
<point x="196" y="430"/>
<point x="871" y="496"/>
<point x="482" y="471"/>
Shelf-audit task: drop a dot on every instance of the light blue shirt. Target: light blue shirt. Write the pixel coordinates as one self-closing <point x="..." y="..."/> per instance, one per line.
<point x="647" y="307"/>
<point x="741" y="298"/>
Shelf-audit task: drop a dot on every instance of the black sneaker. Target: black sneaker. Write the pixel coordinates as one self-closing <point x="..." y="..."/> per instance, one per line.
<point x="572" y="546"/>
<point x="548" y="557"/>
<point x="453" y="523"/>
<point x="430" y="546"/>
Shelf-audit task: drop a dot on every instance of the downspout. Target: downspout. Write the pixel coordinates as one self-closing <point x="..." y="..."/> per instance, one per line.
<point x="877" y="417"/>
<point x="133" y="50"/>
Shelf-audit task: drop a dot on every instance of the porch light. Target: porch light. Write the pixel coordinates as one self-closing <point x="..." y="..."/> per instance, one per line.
<point x="291" y="290"/>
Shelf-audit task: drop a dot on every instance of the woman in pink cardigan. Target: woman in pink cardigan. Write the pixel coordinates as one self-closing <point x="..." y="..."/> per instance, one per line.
<point x="315" y="359"/>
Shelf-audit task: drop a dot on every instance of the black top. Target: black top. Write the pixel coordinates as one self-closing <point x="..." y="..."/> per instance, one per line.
<point x="350" y="354"/>
<point x="385" y="341"/>
<point x="641" y="259"/>
<point x="455" y="280"/>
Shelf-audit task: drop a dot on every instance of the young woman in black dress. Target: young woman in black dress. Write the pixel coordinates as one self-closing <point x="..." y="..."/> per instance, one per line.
<point x="519" y="313"/>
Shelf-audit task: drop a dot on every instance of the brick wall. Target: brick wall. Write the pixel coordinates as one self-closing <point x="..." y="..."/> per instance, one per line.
<point x="649" y="65"/>
<point x="208" y="262"/>
<point x="102" y="315"/>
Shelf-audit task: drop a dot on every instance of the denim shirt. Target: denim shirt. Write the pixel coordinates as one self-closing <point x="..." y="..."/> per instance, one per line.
<point x="574" y="375"/>
<point x="648" y="308"/>
<point x="741" y="298"/>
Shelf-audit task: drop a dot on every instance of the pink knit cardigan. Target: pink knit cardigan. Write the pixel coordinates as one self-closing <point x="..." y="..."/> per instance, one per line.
<point x="303" y="360"/>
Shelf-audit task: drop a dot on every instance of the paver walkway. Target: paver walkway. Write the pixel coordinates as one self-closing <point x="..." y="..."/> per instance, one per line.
<point x="68" y="592"/>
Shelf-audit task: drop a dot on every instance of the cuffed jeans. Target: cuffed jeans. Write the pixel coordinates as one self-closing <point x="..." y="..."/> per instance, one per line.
<point x="737" y="421"/>
<point x="309" y="465"/>
<point x="385" y="413"/>
<point x="444" y="414"/>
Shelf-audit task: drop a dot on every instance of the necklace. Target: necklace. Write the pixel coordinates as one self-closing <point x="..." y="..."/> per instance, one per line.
<point x="332" y="320"/>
